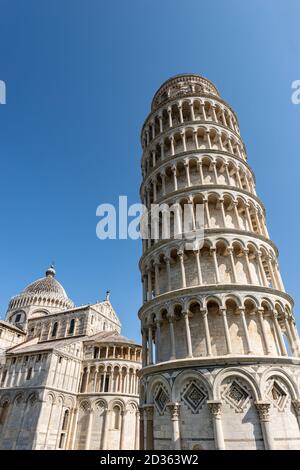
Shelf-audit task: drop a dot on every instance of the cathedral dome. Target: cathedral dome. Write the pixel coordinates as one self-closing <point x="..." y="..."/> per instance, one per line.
<point x="46" y="285"/>
<point x="46" y="291"/>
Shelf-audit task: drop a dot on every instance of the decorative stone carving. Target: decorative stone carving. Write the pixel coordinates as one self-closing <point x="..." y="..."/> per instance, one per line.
<point x="236" y="396"/>
<point x="161" y="399"/>
<point x="277" y="395"/>
<point x="215" y="407"/>
<point x="296" y="405"/>
<point x="194" y="396"/>
<point x="174" y="409"/>
<point x="263" y="409"/>
<point x="149" y="412"/>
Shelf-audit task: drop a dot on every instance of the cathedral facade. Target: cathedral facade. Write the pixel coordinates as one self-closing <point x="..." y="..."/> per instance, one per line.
<point x="68" y="378"/>
<point x="221" y="352"/>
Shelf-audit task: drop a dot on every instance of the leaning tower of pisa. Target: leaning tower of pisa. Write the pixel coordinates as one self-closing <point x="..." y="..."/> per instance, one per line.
<point x="220" y="345"/>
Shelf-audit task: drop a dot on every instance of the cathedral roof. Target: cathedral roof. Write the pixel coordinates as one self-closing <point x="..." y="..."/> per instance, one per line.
<point x="46" y="285"/>
<point x="46" y="291"/>
<point x="110" y="337"/>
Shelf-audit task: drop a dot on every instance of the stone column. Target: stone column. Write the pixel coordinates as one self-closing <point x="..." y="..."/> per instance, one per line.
<point x="183" y="280"/>
<point x="296" y="405"/>
<point x="123" y="430"/>
<point x="144" y="348"/>
<point x="230" y="145"/>
<point x="96" y="377"/>
<point x="183" y="137"/>
<point x="187" y="173"/>
<point x="167" y="259"/>
<point x="202" y="105"/>
<point x="262" y="270"/>
<point x="197" y="256"/>
<point x="295" y="334"/>
<point x="180" y="113"/>
<point x="214" y="255"/>
<point x="238" y="177"/>
<point x="172" y="146"/>
<point x="89" y="430"/>
<point x="226" y="330"/>
<point x="227" y="174"/>
<point x="150" y="345"/>
<point x="221" y="201"/>
<point x="154" y="186"/>
<point x="142" y="437"/>
<point x="230" y="251"/>
<point x="149" y="409"/>
<point x="289" y="334"/>
<point x="283" y="350"/>
<point x="208" y="139"/>
<point x="170" y="117"/>
<point x="160" y="123"/>
<point x="235" y="204"/>
<point x="214" y="113"/>
<point x="263" y="329"/>
<point x="246" y="332"/>
<point x="156" y="268"/>
<point x="263" y="409"/>
<point x="137" y="431"/>
<point x="223" y="118"/>
<point x="214" y="407"/>
<point x="249" y="218"/>
<point x="162" y="149"/>
<point x="157" y="341"/>
<point x="105" y="430"/>
<point x="206" y="211"/>
<point x="73" y="430"/>
<point x="215" y="172"/>
<point x="163" y="183"/>
<point x="104" y="380"/>
<point x="144" y="283"/>
<point x="207" y="333"/>
<point x="196" y="139"/>
<point x="174" y="412"/>
<point x="192" y="111"/>
<point x="86" y="388"/>
<point x="177" y="217"/>
<point x="201" y="173"/>
<point x="172" y="337"/>
<point x="188" y="334"/>
<point x="153" y="158"/>
<point x="246" y="252"/>
<point x="174" y="177"/>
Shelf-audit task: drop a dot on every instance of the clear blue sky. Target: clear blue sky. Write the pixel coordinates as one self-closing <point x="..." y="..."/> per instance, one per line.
<point x="80" y="76"/>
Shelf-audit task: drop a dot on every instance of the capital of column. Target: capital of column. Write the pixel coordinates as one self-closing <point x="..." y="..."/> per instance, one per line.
<point x="275" y="314"/>
<point x="296" y="405"/>
<point x="186" y="313"/>
<point x="174" y="409"/>
<point x="170" y="317"/>
<point x="263" y="409"/>
<point x="203" y="312"/>
<point x="149" y="411"/>
<point x="215" y="407"/>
